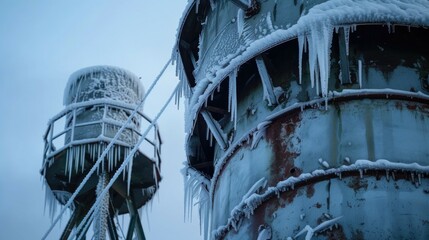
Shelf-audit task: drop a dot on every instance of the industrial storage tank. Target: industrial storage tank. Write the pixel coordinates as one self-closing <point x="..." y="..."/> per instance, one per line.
<point x="86" y="145"/>
<point x="307" y="119"/>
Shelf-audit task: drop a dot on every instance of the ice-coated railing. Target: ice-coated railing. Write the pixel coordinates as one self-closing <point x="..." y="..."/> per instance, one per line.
<point x="97" y="131"/>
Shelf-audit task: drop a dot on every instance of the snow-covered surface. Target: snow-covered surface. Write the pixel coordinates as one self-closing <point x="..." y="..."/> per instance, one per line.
<point x="311" y="231"/>
<point x="256" y="132"/>
<point x="225" y="165"/>
<point x="246" y="207"/>
<point x="87" y="135"/>
<point x="103" y="82"/>
<point x="240" y="40"/>
<point x="316" y="28"/>
<point x="264" y="233"/>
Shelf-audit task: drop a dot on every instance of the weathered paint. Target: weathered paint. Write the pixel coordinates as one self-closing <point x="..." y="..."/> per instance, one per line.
<point x="381" y="112"/>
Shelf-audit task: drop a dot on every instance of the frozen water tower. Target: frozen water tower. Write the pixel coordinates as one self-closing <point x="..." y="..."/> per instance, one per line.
<point x="101" y="109"/>
<point x="307" y="119"/>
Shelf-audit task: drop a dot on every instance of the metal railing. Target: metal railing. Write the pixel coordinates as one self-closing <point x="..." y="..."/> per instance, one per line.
<point x="66" y="121"/>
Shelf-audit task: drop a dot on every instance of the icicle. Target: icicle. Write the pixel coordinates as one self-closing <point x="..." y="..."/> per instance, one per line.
<point x="155" y="175"/>
<point x="311" y="58"/>
<point x="82" y="159"/>
<point x="197" y="6"/>
<point x="347" y="160"/>
<point x="232" y="97"/>
<point x="347" y="38"/>
<point x="322" y="36"/>
<point x="116" y="162"/>
<point x="76" y="158"/>
<point x="207" y="134"/>
<point x="269" y="21"/>
<point x="240" y="22"/>
<point x="301" y="43"/>
<point x="316" y="79"/>
<point x="130" y="168"/>
<point x="67" y="162"/>
<point x="196" y="186"/>
<point x="361" y="173"/>
<point x="419" y="176"/>
<point x="70" y="152"/>
<point x="360" y="73"/>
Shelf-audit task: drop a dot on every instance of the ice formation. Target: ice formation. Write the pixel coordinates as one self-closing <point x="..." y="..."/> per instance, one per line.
<point x="232" y="97"/>
<point x="266" y="82"/>
<point x="89" y="217"/>
<point x="322" y="226"/>
<point x="317" y="33"/>
<point x="264" y="233"/>
<point x="240" y="21"/>
<point x="102" y="82"/>
<point x="196" y="192"/>
<point x="129" y="155"/>
<point x="259" y="133"/>
<point x="246" y="207"/>
<point x="101" y="213"/>
<point x="314" y="31"/>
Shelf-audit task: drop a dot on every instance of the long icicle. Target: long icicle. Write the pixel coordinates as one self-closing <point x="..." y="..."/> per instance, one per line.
<point x="232" y="98"/>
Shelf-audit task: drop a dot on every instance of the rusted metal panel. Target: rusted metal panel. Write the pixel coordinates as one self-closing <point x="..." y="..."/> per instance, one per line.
<point x="347" y="144"/>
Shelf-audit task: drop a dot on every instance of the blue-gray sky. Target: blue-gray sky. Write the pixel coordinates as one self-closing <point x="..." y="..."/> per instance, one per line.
<point x="41" y="43"/>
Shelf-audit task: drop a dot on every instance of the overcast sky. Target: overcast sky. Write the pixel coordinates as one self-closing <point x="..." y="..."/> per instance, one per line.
<point x="41" y="43"/>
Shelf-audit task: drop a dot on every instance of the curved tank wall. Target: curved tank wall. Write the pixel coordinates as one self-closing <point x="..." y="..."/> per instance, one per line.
<point x="309" y="118"/>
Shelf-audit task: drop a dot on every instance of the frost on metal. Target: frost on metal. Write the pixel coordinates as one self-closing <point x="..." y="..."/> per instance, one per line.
<point x="322" y="226"/>
<point x="246" y="207"/>
<point x="101" y="123"/>
<point x="314" y="30"/>
<point x="102" y="212"/>
<point x="233" y="47"/>
<point x="103" y="82"/>
<point x="264" y="232"/>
